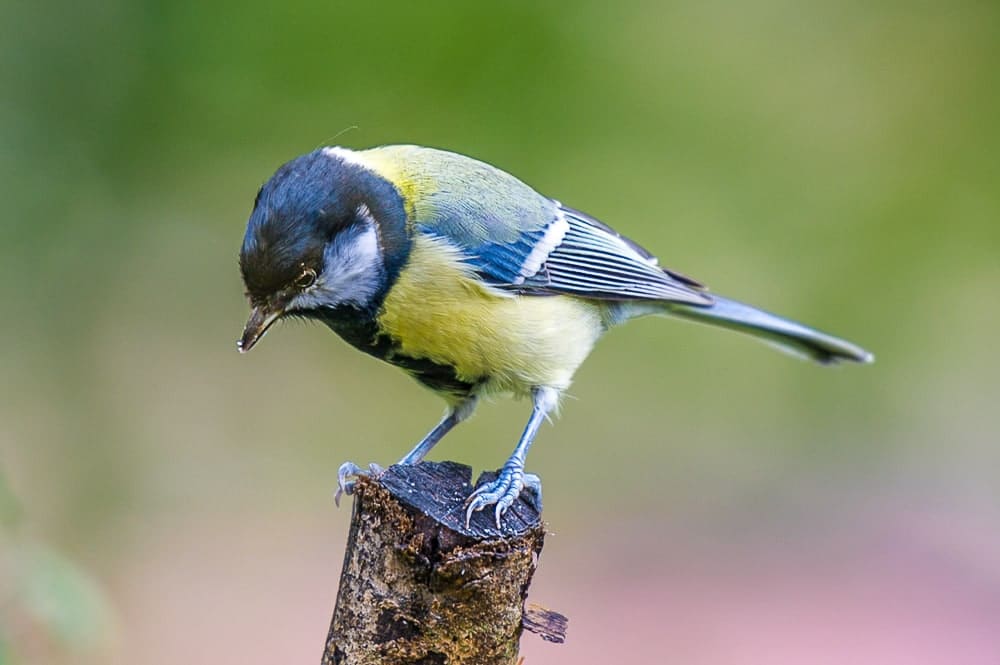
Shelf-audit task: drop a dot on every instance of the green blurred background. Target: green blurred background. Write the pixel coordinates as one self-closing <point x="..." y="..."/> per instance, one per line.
<point x="168" y="500"/>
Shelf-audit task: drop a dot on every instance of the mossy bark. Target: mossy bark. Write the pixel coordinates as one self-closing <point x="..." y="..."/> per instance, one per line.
<point x="417" y="587"/>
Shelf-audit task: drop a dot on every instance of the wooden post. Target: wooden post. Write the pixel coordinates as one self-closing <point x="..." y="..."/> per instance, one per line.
<point x="418" y="588"/>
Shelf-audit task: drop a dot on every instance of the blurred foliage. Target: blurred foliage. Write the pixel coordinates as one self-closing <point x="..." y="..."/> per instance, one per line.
<point x="46" y="600"/>
<point x="835" y="162"/>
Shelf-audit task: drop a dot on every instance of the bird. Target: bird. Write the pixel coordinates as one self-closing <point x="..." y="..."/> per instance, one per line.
<point x="468" y="280"/>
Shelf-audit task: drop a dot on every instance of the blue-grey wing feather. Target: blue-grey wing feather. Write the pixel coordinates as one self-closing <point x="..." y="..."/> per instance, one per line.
<point x="594" y="261"/>
<point x="517" y="239"/>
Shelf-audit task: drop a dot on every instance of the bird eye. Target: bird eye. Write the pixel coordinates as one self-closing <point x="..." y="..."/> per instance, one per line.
<point x="306" y="279"/>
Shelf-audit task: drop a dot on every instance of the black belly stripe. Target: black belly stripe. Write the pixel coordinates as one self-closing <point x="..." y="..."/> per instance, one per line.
<point x="360" y="330"/>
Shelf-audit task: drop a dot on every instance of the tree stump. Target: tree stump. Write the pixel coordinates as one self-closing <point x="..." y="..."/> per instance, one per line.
<point x="419" y="588"/>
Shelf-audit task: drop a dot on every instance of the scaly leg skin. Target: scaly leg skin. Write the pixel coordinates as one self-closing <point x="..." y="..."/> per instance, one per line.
<point x="503" y="491"/>
<point x="455" y="415"/>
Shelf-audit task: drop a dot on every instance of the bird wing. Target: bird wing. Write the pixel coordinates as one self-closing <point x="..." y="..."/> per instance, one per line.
<point x="518" y="240"/>
<point x="571" y="253"/>
<point x="595" y="261"/>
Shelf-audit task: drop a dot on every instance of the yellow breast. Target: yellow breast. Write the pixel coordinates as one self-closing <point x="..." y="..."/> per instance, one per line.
<point x="438" y="310"/>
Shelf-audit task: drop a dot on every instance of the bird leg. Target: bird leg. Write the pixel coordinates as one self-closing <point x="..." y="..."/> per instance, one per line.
<point x="503" y="491"/>
<point x="456" y="414"/>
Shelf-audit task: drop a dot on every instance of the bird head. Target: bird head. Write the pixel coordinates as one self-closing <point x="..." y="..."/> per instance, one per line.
<point x="325" y="233"/>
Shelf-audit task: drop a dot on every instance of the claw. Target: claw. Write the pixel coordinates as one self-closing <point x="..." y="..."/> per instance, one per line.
<point x="472" y="507"/>
<point x="344" y="485"/>
<point x="502" y="493"/>
<point x="533" y="484"/>
<point x="350" y="470"/>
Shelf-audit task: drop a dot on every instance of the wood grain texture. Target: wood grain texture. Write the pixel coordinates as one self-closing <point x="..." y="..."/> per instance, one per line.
<point x="418" y="587"/>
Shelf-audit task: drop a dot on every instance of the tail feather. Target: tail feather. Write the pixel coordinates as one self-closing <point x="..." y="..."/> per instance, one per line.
<point x="787" y="335"/>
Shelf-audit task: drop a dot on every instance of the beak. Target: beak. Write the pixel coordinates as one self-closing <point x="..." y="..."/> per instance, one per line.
<point x="260" y="320"/>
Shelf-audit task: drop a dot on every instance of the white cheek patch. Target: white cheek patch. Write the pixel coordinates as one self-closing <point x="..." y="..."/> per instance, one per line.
<point x="353" y="269"/>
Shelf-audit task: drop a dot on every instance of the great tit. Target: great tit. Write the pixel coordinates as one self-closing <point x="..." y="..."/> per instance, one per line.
<point x="467" y="279"/>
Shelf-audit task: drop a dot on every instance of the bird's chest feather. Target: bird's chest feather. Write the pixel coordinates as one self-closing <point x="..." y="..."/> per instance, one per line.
<point x="438" y="310"/>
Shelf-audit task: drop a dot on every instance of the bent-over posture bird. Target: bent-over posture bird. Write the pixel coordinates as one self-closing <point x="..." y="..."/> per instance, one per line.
<point x="468" y="280"/>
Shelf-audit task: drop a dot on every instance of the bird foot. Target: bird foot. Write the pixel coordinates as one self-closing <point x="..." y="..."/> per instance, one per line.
<point x="346" y="475"/>
<point x="503" y="492"/>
